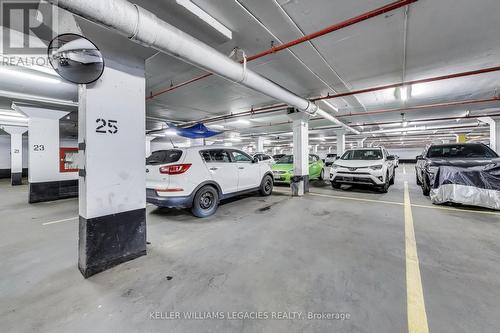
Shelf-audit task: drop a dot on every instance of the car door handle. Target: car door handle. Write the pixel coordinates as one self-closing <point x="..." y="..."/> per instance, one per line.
<point x="241" y="167"/>
<point x="214" y="168"/>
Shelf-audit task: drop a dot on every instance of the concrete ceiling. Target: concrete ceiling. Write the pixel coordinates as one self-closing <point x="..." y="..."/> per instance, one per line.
<point x="442" y="37"/>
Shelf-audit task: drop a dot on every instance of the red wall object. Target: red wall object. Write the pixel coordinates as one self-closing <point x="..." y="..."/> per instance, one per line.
<point x="62" y="155"/>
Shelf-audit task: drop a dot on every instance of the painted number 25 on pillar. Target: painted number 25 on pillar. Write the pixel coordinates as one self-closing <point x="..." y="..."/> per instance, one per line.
<point x="106" y="126"/>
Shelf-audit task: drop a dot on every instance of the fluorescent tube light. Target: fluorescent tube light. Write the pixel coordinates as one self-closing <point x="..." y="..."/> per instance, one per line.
<point x="203" y="15"/>
<point x="330" y="105"/>
<point x="31" y="75"/>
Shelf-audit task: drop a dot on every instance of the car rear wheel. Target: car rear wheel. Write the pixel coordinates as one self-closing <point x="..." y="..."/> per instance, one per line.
<point x="393" y="178"/>
<point x="205" y="202"/>
<point x="417" y="180"/>
<point x="426" y="188"/>
<point x="322" y="174"/>
<point x="266" y="187"/>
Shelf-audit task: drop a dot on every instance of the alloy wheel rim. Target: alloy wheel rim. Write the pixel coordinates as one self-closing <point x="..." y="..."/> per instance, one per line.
<point x="267" y="186"/>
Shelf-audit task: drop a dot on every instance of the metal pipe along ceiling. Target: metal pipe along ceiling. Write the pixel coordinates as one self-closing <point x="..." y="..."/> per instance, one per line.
<point x="279" y="107"/>
<point x="147" y="29"/>
<point x="306" y="38"/>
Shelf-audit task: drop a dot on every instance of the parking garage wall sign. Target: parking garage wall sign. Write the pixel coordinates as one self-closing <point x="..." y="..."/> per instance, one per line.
<point x="27" y="27"/>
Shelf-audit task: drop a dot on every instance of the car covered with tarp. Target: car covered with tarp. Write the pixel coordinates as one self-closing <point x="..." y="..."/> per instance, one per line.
<point x="466" y="174"/>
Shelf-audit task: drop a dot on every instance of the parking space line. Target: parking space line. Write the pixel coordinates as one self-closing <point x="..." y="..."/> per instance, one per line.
<point x="458" y="209"/>
<point x="417" y="317"/>
<point x="60" y="221"/>
<point x="355" y="199"/>
<point x="397" y="203"/>
<point x="346" y="198"/>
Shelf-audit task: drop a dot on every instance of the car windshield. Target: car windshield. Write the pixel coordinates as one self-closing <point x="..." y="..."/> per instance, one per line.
<point x="461" y="151"/>
<point x="364" y="154"/>
<point x="164" y="157"/>
<point x="287" y="159"/>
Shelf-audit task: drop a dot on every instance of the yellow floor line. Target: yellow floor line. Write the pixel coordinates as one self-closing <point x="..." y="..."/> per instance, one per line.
<point x="417" y="317"/>
<point x="60" y="221"/>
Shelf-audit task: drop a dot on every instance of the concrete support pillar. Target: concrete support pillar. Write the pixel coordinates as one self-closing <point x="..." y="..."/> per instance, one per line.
<point x="46" y="181"/>
<point x="300" y="151"/>
<point x="16" y="153"/>
<point x="494" y="132"/>
<point x="149" y="138"/>
<point x="275" y="150"/>
<point x="361" y="142"/>
<point x="260" y="144"/>
<point x="495" y="136"/>
<point x="340" y="142"/>
<point x="315" y="149"/>
<point x="112" y="205"/>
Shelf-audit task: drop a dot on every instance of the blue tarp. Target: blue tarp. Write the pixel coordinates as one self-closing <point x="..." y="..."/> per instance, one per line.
<point x="198" y="131"/>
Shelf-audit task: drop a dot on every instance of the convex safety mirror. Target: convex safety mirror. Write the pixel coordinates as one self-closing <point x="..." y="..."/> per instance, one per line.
<point x="75" y="58"/>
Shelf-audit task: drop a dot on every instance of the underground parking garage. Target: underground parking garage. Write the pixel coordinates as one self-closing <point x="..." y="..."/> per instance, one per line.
<point x="252" y="166"/>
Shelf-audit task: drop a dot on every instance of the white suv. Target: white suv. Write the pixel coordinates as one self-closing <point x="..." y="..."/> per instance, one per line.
<point x="199" y="177"/>
<point x="330" y="158"/>
<point x="263" y="157"/>
<point x="368" y="166"/>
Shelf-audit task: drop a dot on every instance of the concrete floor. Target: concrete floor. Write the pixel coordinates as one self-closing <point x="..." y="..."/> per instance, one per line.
<point x="325" y="252"/>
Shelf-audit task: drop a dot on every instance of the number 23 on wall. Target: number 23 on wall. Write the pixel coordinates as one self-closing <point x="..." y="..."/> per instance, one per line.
<point x="112" y="126"/>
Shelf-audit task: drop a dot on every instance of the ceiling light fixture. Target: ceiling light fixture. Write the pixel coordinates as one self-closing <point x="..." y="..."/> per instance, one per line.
<point x="404" y="123"/>
<point x="12" y="114"/>
<point x="330" y="105"/>
<point x="31" y="75"/>
<point x="243" y="122"/>
<point x="207" y="18"/>
<point x="171" y="132"/>
<point x="404" y="93"/>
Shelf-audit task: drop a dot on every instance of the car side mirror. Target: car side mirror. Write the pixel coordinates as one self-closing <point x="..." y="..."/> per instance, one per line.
<point x="420" y="157"/>
<point x="391" y="158"/>
<point x="255" y="160"/>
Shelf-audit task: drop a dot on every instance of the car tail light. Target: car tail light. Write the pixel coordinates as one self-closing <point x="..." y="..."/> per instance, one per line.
<point x="176" y="169"/>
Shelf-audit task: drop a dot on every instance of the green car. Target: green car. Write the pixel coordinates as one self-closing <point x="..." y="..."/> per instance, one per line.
<point x="283" y="169"/>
